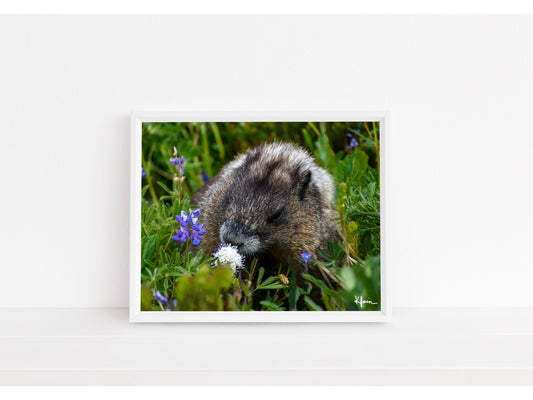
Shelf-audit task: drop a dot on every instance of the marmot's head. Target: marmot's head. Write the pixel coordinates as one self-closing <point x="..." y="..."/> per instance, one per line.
<point x="269" y="200"/>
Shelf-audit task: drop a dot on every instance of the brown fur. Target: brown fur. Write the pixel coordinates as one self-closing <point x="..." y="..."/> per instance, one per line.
<point x="274" y="202"/>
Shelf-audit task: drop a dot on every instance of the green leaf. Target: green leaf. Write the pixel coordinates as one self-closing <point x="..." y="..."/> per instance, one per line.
<point x="293" y="292"/>
<point x="205" y="149"/>
<point x="317" y="282"/>
<point x="147" y="298"/>
<point x="164" y="187"/>
<point x="272" y="286"/>
<point x="352" y="169"/>
<point x="311" y="304"/>
<point x="147" y="249"/>
<point x="271" y="306"/>
<point x="308" y="140"/>
<point x="272" y="282"/>
<point x="324" y="151"/>
<point x="218" y="140"/>
<point x="260" y="276"/>
<point x="348" y="280"/>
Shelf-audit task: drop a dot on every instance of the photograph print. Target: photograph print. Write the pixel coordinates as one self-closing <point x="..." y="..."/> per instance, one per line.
<point x="260" y="216"/>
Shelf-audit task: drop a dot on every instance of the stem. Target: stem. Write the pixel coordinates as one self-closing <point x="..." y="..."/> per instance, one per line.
<point x="322" y="268"/>
<point x="314" y="128"/>
<point x="179" y="190"/>
<point x="187" y="253"/>
<point x="205" y="148"/>
<point x="348" y="249"/>
<point x="253" y="269"/>
<point x="377" y="144"/>
<point x="292" y="291"/>
<point x="163" y="173"/>
<point x="149" y="179"/>
<point x="375" y="135"/>
<point x="198" y="176"/>
<point x="168" y="242"/>
<point x="218" y="140"/>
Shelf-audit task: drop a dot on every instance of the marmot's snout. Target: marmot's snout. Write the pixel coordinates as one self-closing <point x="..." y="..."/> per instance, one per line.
<point x="246" y="240"/>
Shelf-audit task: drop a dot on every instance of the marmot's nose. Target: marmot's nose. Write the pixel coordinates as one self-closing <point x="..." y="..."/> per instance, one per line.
<point x="239" y="235"/>
<point x="234" y="233"/>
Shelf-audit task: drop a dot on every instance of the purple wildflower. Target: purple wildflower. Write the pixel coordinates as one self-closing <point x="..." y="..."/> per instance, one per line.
<point x="179" y="161"/>
<point x="205" y="177"/>
<point x="172" y="306"/>
<point x="306" y="257"/>
<point x="192" y="219"/>
<point x="143" y="173"/>
<point x="195" y="213"/>
<point x="180" y="236"/>
<point x="185" y="219"/>
<point x="353" y="142"/>
<point x="160" y="298"/>
<point x="182" y="219"/>
<point x="198" y="228"/>
<point x="195" y="238"/>
<point x="197" y="233"/>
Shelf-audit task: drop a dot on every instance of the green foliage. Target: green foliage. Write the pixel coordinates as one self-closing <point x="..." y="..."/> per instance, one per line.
<point x="206" y="290"/>
<point x="175" y="277"/>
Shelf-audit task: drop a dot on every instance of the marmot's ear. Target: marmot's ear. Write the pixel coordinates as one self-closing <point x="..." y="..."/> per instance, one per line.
<point x="305" y="179"/>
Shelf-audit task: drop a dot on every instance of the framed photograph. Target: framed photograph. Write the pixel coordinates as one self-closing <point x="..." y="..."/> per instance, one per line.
<point x="258" y="216"/>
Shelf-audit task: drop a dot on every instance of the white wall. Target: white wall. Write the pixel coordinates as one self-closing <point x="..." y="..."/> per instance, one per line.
<point x="460" y="91"/>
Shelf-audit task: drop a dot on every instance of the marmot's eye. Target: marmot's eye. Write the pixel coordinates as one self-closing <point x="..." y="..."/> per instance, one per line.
<point x="276" y="217"/>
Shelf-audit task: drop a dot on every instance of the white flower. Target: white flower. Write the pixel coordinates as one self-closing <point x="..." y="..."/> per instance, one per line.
<point x="228" y="254"/>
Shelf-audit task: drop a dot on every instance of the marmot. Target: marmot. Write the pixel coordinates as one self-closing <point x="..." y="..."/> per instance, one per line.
<point x="274" y="203"/>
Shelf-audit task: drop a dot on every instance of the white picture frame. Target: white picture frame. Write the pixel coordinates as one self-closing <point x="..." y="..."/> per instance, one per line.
<point x="139" y="117"/>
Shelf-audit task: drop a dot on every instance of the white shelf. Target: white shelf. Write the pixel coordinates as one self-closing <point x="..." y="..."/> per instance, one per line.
<point x="419" y="346"/>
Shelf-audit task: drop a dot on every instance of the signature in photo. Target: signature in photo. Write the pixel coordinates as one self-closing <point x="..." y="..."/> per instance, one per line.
<point x="361" y="302"/>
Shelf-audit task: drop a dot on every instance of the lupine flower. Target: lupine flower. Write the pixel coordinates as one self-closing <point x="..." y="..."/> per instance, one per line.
<point x="179" y="161"/>
<point x="143" y="174"/>
<point x="228" y="254"/>
<point x="196" y="235"/>
<point x="306" y="257"/>
<point x="195" y="238"/>
<point x="160" y="298"/>
<point x="183" y="233"/>
<point x="198" y="229"/>
<point x="180" y="236"/>
<point x="182" y="219"/>
<point x="193" y="217"/>
<point x="172" y="306"/>
<point x="353" y="142"/>
<point x="195" y="213"/>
